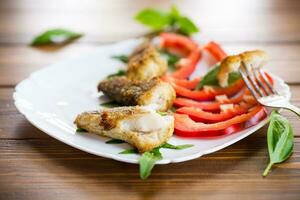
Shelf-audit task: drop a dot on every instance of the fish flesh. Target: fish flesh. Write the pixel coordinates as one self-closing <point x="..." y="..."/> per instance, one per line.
<point x="139" y="126"/>
<point x="145" y="92"/>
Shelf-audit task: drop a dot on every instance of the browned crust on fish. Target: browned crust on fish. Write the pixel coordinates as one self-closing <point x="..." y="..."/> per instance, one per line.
<point x="108" y="123"/>
<point x="127" y="92"/>
<point x="145" y="63"/>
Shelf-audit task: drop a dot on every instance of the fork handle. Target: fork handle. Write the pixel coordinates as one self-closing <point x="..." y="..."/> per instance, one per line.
<point x="293" y="108"/>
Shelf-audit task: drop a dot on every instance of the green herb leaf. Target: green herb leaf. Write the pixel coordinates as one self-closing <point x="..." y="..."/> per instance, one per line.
<point x="173" y="109"/>
<point x="121" y="72"/>
<point x="129" y="151"/>
<point x="147" y="162"/>
<point x="155" y="19"/>
<point x="162" y="113"/>
<point x="211" y="77"/>
<point x="80" y="130"/>
<point x="171" y="59"/>
<point x="177" y="147"/>
<point x="186" y="26"/>
<point x="114" y="141"/>
<point x="110" y="104"/>
<point x="163" y="20"/>
<point x="122" y="58"/>
<point x="280" y="140"/>
<point x="55" y="36"/>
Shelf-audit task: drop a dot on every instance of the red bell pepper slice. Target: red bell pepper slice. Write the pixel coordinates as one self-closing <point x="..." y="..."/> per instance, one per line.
<point x="189" y="84"/>
<point x="176" y="41"/>
<point x="215" y="50"/>
<point x="186" y="127"/>
<point x="199" y="115"/>
<point x="203" y="95"/>
<point x="212" y="106"/>
<point x="188" y="65"/>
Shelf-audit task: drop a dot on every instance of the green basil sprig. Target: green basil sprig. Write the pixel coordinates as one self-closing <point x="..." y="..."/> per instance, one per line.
<point x="115" y="141"/>
<point x="147" y="162"/>
<point x="171" y="20"/>
<point x="280" y="140"/>
<point x="110" y="104"/>
<point x="121" y="72"/>
<point x="211" y="77"/>
<point x="55" y="36"/>
<point x="122" y="58"/>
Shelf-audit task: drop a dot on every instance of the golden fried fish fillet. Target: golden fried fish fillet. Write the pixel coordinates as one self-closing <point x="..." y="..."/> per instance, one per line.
<point x="146" y="92"/>
<point x="140" y="126"/>
<point x="256" y="58"/>
<point x="145" y="63"/>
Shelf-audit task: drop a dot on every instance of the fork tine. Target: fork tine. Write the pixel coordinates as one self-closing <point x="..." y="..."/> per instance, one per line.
<point x="258" y="80"/>
<point x="252" y="80"/>
<point x="249" y="85"/>
<point x="266" y="80"/>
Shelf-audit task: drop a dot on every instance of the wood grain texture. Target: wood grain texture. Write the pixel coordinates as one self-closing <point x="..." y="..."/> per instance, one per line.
<point x="36" y="166"/>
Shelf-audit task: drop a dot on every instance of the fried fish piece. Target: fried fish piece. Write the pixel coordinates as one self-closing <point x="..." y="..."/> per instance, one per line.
<point x="140" y="126"/>
<point x="146" y="92"/>
<point x="145" y="63"/>
<point x="256" y="58"/>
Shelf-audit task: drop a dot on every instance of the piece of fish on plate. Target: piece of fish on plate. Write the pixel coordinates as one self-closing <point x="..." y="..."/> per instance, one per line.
<point x="145" y="63"/>
<point x="256" y="58"/>
<point x="140" y="126"/>
<point x="146" y="92"/>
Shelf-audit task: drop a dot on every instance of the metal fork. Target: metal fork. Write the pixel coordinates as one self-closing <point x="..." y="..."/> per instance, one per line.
<point x="261" y="88"/>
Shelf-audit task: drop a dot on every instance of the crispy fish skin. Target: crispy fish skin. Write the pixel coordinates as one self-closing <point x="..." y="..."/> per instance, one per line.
<point x="143" y="128"/>
<point x="146" y="92"/>
<point x="255" y="58"/>
<point x="145" y="63"/>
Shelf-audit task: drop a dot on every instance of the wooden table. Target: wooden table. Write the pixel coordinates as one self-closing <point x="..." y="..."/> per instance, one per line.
<point x="36" y="166"/>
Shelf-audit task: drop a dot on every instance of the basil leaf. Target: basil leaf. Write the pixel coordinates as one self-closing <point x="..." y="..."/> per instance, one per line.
<point x="55" y="36"/>
<point x="147" y="162"/>
<point x="211" y="77"/>
<point x="177" y="147"/>
<point x="173" y="109"/>
<point x="186" y="26"/>
<point x="80" y="130"/>
<point x="114" y="141"/>
<point x="163" y="20"/>
<point x="162" y="113"/>
<point x="122" y="58"/>
<point x="110" y="104"/>
<point x="153" y="18"/>
<point x="280" y="140"/>
<point x="171" y="59"/>
<point x="129" y="151"/>
<point x="121" y="72"/>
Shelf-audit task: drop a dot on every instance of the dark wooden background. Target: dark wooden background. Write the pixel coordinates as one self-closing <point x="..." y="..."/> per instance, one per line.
<point x="35" y="166"/>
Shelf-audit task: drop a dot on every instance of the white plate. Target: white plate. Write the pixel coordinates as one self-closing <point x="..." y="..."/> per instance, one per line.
<point x="52" y="97"/>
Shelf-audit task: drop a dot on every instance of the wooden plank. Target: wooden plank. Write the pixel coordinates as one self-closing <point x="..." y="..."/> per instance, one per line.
<point x="38" y="169"/>
<point x="24" y="60"/>
<point x="22" y="129"/>
<point x="103" y="21"/>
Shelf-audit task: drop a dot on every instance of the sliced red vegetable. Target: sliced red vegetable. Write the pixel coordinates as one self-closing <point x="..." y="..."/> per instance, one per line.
<point x="199" y="115"/>
<point x="215" y="50"/>
<point x="176" y="41"/>
<point x="205" y="95"/>
<point x="189" y="84"/>
<point x="188" y="65"/>
<point x="213" y="106"/>
<point x="186" y="127"/>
